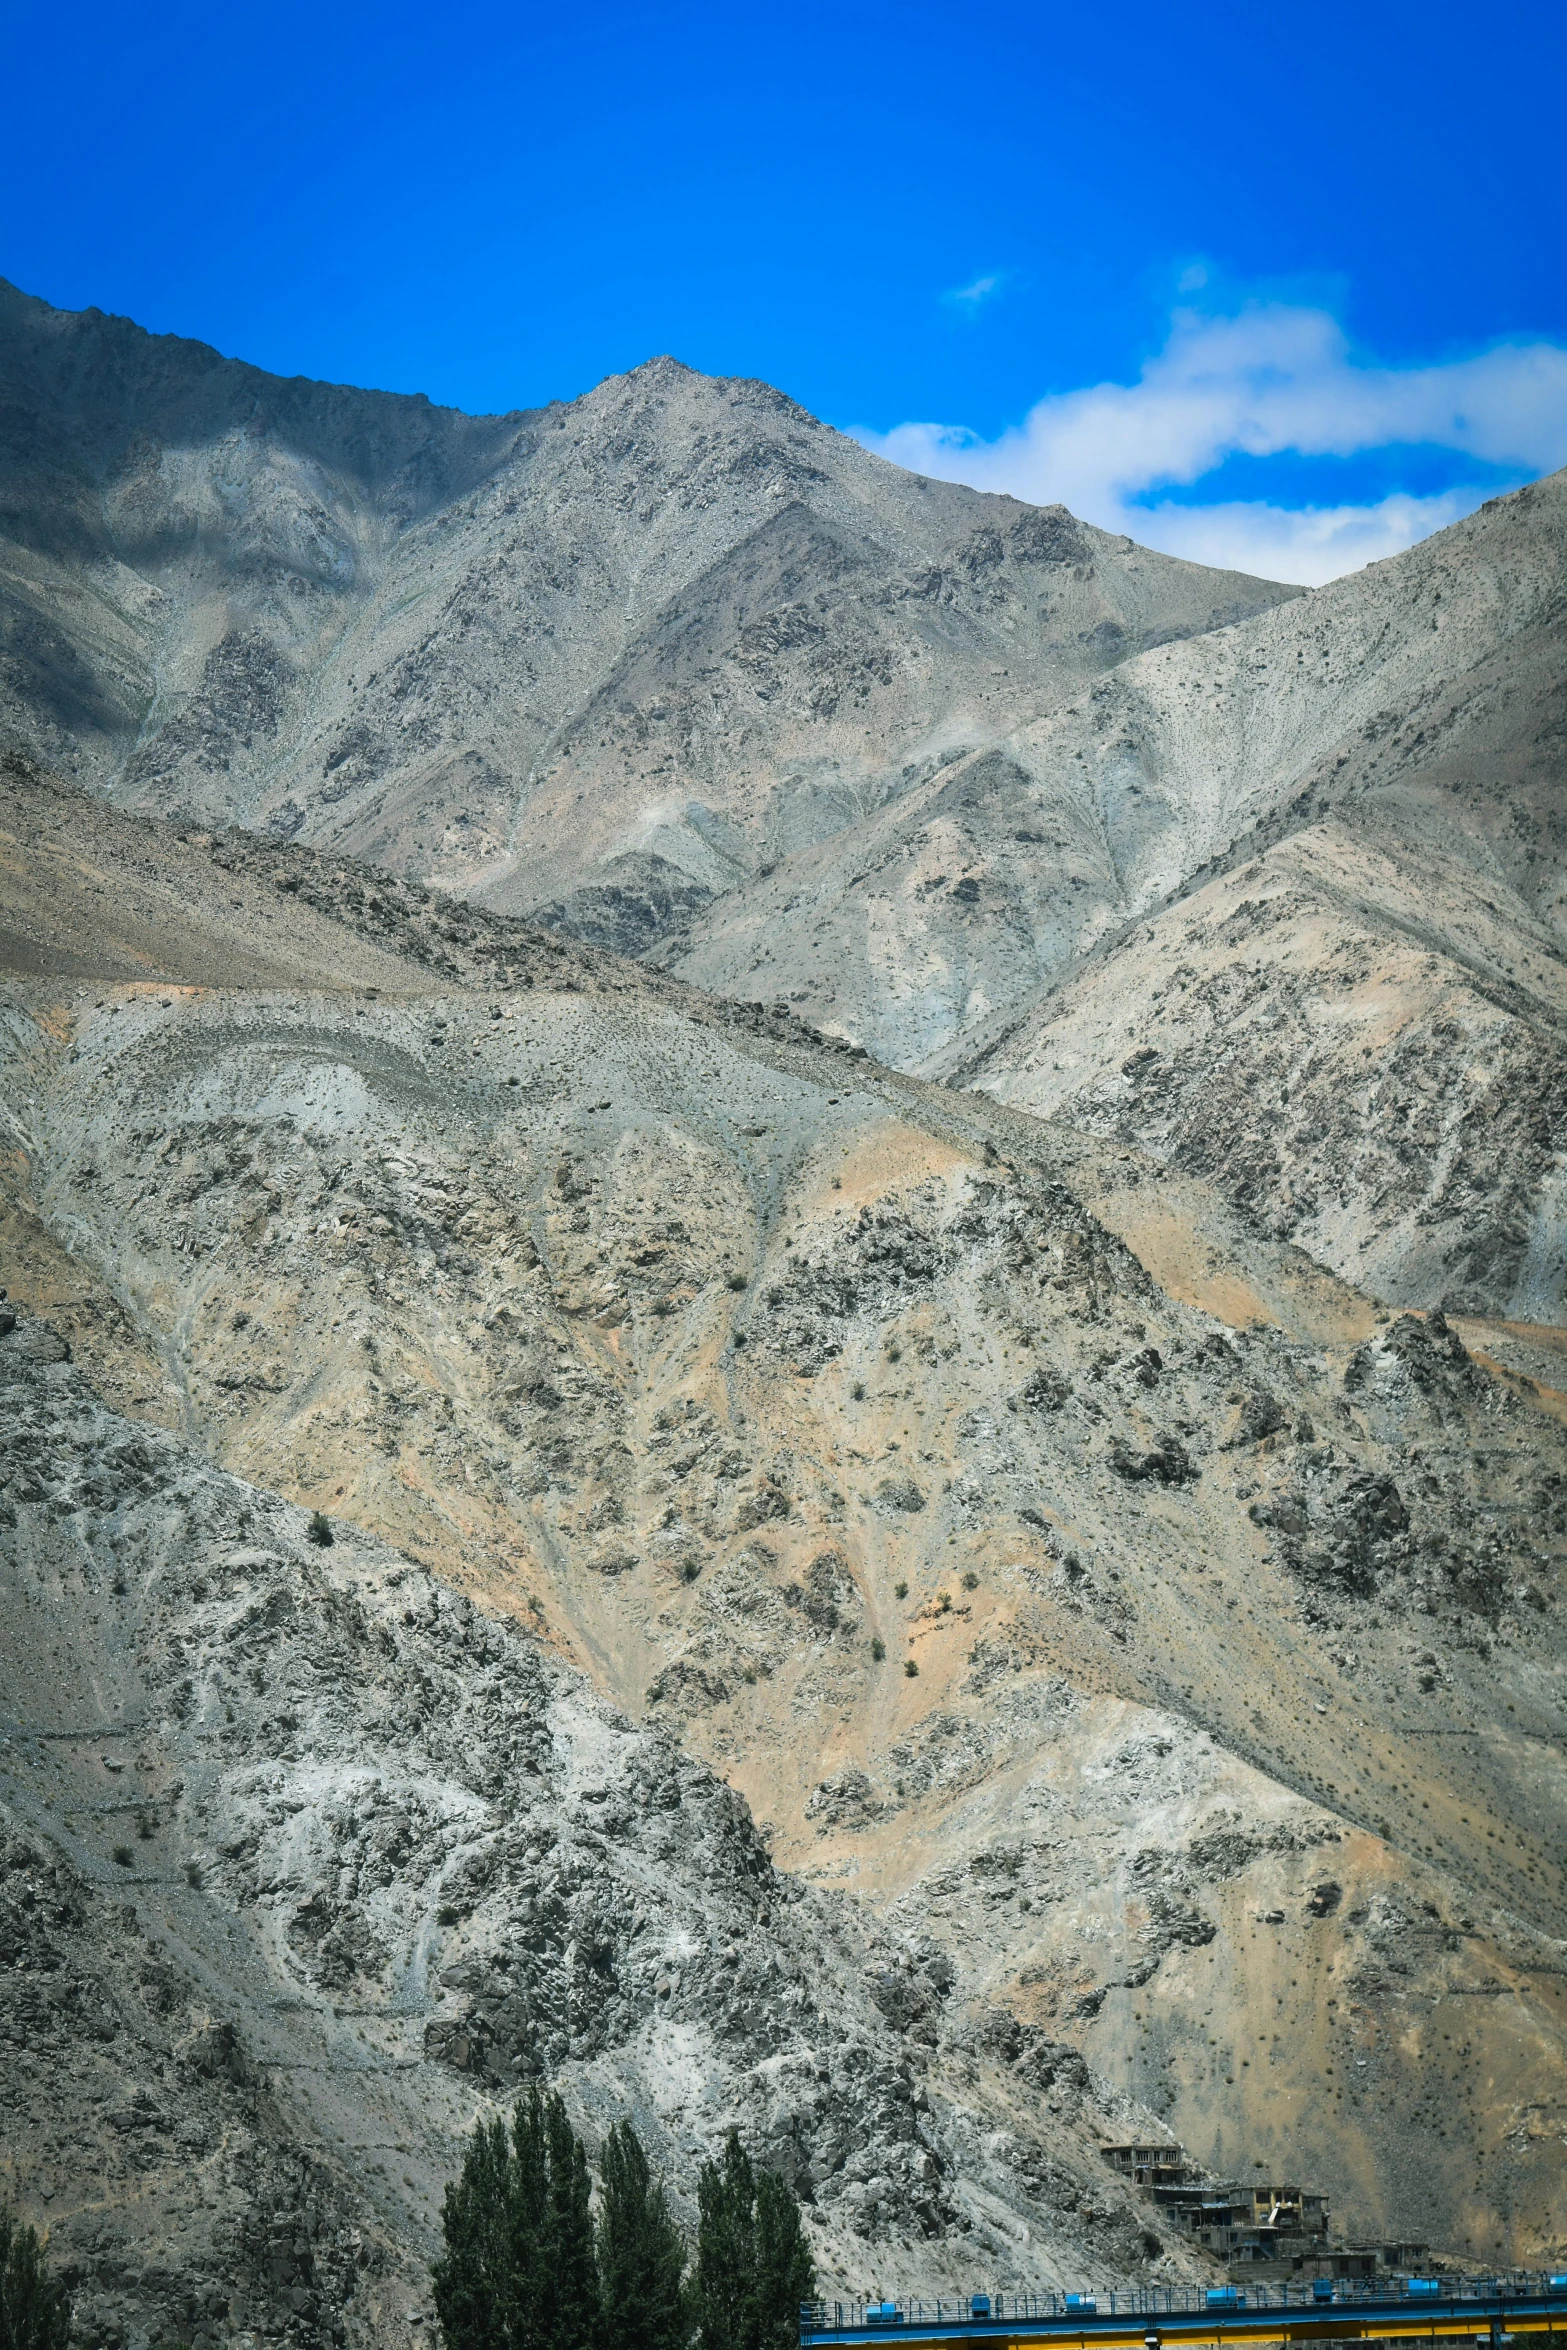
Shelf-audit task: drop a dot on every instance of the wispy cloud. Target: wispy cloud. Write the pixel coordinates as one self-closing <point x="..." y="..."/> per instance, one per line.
<point x="974" y="297"/>
<point x="1270" y="379"/>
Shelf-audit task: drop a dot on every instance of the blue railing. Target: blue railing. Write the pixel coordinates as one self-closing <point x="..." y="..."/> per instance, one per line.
<point x="821" y="2320"/>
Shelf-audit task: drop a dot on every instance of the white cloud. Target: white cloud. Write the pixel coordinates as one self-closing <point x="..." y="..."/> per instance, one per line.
<point x="1272" y="378"/>
<point x="1304" y="543"/>
<point x="972" y="297"/>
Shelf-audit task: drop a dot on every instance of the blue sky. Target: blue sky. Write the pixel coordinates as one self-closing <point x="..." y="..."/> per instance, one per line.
<point x="1279" y="286"/>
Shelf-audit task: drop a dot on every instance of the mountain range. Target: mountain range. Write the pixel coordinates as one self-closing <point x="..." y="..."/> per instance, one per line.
<point x="893" y="1170"/>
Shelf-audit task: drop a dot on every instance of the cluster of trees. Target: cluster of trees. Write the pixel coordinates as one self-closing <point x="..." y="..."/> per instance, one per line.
<point x="528" y="2266"/>
<point x="34" y="2311"/>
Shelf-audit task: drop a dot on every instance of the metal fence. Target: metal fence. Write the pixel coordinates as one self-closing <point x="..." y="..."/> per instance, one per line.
<point x="1484" y="2293"/>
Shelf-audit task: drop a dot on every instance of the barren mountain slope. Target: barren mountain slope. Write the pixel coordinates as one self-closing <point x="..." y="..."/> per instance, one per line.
<point x="615" y="656"/>
<point x="698" y="678"/>
<point x="1358" y="1028"/>
<point x="682" y="1340"/>
<point x="412" y="633"/>
<point x="1368" y="1057"/>
<point x="308" y="1862"/>
<point x="1429" y="688"/>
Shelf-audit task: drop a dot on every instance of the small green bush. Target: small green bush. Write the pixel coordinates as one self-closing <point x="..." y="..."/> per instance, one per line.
<point x="320" y="1529"/>
<point x="970" y="1579"/>
<point x="858" y="1391"/>
<point x="878" y="1649"/>
<point x="122" y="1854"/>
<point x="911" y="1668"/>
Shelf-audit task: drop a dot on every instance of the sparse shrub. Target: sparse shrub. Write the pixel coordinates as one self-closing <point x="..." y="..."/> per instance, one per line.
<point x="193" y="1875"/>
<point x="122" y="1856"/>
<point x="894" y="1354"/>
<point x="446" y="1915"/>
<point x="944" y="1602"/>
<point x="146" y="1827"/>
<point x="737" y="1281"/>
<point x="911" y="1668"/>
<point x="858" y="1391"/>
<point x="690" y="1569"/>
<point x="319" y="1529"/>
<point x="901" y="1589"/>
<point x="878" y="1649"/>
<point x="970" y="1579"/>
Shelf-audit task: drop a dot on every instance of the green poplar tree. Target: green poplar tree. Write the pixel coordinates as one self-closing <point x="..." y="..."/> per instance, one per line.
<point x="785" y="2271"/>
<point x="475" y="2281"/>
<point x="531" y="2318"/>
<point x="726" y="2250"/>
<point x="34" y="2311"/>
<point x="517" y="2269"/>
<point x="753" y="2266"/>
<point x="641" y="2255"/>
<point x="571" y="2284"/>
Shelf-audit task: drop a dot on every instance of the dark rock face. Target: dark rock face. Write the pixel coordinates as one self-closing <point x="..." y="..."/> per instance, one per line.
<point x="640" y="903"/>
<point x="1166" y="1461"/>
<point x="1357" y="1521"/>
<point x="1040" y="2061"/>
<point x="181" y="2205"/>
